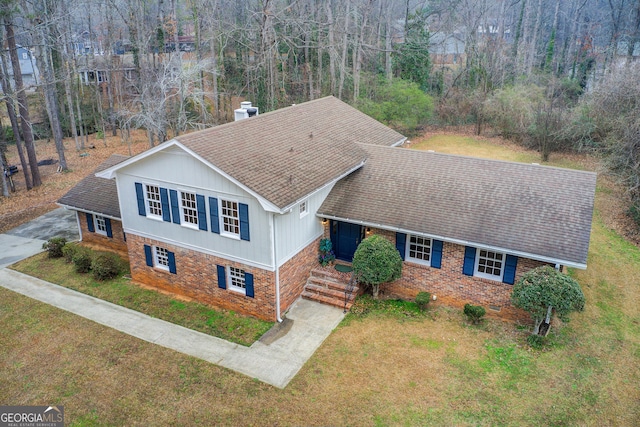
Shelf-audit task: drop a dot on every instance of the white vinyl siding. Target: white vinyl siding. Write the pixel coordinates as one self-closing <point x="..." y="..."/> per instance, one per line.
<point x="175" y="170"/>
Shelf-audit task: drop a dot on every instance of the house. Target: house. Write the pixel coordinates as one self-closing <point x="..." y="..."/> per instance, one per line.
<point x="233" y="215"/>
<point x="28" y="68"/>
<point x="95" y="201"/>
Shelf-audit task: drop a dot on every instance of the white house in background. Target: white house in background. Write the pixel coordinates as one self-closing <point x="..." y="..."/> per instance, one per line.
<point x="28" y="68"/>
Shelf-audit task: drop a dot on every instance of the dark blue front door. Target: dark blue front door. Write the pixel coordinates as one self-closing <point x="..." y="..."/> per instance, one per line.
<point x="345" y="238"/>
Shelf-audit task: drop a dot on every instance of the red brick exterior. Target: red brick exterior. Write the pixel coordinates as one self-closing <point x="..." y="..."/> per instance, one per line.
<point x="454" y="288"/>
<point x="295" y="272"/>
<point x="98" y="241"/>
<point x="197" y="278"/>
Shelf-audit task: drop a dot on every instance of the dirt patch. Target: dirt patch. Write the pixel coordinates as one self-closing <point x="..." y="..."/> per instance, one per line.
<point x="23" y="206"/>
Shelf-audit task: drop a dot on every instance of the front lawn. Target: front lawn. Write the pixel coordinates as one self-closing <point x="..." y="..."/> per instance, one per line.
<point x="199" y="317"/>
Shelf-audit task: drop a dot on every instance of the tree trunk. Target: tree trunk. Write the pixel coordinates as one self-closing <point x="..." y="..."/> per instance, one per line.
<point x="72" y="117"/>
<point x="13" y="118"/>
<point x="345" y="40"/>
<point x="332" y="48"/>
<point x="23" y="108"/>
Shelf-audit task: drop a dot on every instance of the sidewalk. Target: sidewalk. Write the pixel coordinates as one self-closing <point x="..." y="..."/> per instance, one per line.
<point x="275" y="359"/>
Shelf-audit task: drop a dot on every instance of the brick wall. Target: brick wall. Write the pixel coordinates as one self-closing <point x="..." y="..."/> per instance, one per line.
<point x="451" y="286"/>
<point x="456" y="289"/>
<point x="101" y="242"/>
<point x="295" y="272"/>
<point x="196" y="277"/>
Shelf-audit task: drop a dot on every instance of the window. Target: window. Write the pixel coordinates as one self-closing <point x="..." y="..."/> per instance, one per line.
<point x="25" y="55"/>
<point x="489" y="265"/>
<point x="419" y="249"/>
<point x="161" y="258"/>
<point x="230" y="217"/>
<point x="189" y="208"/>
<point x="101" y="225"/>
<point x="236" y="279"/>
<point x="153" y="200"/>
<point x="303" y="208"/>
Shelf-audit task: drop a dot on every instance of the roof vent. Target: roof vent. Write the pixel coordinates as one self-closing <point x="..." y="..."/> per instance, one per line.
<point x="245" y="111"/>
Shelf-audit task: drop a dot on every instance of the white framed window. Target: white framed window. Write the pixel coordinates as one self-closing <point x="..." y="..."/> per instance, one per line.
<point x="25" y="55"/>
<point x="419" y="249"/>
<point x="161" y="258"/>
<point x="189" y="209"/>
<point x="302" y="208"/>
<point x="230" y="217"/>
<point x="100" y="223"/>
<point x="153" y="201"/>
<point x="489" y="264"/>
<point x="236" y="279"/>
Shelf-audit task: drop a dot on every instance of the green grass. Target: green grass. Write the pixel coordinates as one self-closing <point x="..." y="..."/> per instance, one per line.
<point x="227" y="325"/>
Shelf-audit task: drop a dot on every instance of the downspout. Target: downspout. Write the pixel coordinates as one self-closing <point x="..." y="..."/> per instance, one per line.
<point x="274" y="255"/>
<point x="79" y="227"/>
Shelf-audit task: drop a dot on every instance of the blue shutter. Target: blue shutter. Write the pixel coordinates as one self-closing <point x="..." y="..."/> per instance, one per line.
<point x="175" y="206"/>
<point x="90" y="225"/>
<point x="148" y="255"/>
<point x="469" y="260"/>
<point x="164" y="199"/>
<point x="244" y="221"/>
<point x="401" y="243"/>
<point x="140" y="196"/>
<point x="222" y="278"/>
<point x="213" y="213"/>
<point x="436" y="253"/>
<point x="107" y="223"/>
<point x="248" y="283"/>
<point x="171" y="257"/>
<point x="510" y="264"/>
<point x="202" y="212"/>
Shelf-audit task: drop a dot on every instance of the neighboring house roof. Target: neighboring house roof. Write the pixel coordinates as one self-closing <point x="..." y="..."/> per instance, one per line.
<point x="96" y="195"/>
<point x="285" y="155"/>
<point x="529" y="210"/>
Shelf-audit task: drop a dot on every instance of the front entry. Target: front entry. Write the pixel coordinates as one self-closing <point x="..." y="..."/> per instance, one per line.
<point x="345" y="238"/>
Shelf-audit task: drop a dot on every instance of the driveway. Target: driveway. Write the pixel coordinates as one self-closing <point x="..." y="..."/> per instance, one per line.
<point x="27" y="239"/>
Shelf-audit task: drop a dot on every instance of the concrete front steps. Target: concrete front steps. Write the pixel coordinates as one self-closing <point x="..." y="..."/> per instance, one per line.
<point x="328" y="286"/>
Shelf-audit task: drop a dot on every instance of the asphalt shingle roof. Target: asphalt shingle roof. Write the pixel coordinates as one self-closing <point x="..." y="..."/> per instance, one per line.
<point x="95" y="194"/>
<point x="531" y="209"/>
<point x="286" y="154"/>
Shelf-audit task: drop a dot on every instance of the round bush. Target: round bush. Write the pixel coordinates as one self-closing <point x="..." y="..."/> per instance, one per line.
<point x="82" y="260"/>
<point x="422" y="300"/>
<point x="105" y="266"/>
<point x="54" y="246"/>
<point x="68" y="251"/>
<point x="474" y="313"/>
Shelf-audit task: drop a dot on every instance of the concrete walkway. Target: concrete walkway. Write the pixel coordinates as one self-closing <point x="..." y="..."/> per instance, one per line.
<point x="275" y="359"/>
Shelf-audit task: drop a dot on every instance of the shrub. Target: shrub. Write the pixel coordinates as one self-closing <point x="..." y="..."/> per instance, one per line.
<point x="54" y="246"/>
<point x="82" y="260"/>
<point x="105" y="266"/>
<point x="422" y="300"/>
<point x="474" y="313"/>
<point x="68" y="251"/>
<point x="326" y="255"/>
<point x="377" y="261"/>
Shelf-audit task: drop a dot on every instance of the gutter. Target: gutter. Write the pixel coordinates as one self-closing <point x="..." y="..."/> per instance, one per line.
<point x="520" y="254"/>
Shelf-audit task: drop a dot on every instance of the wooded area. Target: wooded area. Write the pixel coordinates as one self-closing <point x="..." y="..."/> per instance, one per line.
<point x="557" y="75"/>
